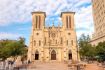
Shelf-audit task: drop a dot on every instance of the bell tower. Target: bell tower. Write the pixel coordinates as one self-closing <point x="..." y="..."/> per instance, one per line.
<point x="68" y="20"/>
<point x="36" y="39"/>
<point x="69" y="36"/>
<point x="38" y="20"/>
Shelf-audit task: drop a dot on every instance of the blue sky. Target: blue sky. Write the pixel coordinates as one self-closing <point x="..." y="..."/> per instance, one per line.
<point x="16" y="19"/>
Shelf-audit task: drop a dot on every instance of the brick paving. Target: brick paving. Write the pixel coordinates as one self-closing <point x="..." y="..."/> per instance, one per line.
<point x="93" y="67"/>
<point x="48" y="66"/>
<point x="59" y="66"/>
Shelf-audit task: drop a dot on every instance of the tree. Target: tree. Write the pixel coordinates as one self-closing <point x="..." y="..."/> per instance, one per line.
<point x="100" y="48"/>
<point x="4" y="51"/>
<point x="85" y="48"/>
<point x="12" y="48"/>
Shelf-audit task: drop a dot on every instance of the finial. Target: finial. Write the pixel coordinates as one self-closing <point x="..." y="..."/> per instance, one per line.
<point x="53" y="22"/>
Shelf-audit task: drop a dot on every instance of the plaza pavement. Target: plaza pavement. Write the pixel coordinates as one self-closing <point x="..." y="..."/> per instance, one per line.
<point x="59" y="66"/>
<point x="94" y="67"/>
<point x="48" y="66"/>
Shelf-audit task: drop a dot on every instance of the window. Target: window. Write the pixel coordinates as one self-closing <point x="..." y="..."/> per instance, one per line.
<point x="69" y="23"/>
<point x="36" y="21"/>
<point x="39" y="43"/>
<point x="66" y="21"/>
<point x="61" y="40"/>
<point x="39" y="21"/>
<point x="56" y="41"/>
<point x="69" y="33"/>
<point x="34" y="43"/>
<point x="37" y="33"/>
<point x="45" y="41"/>
<point x="72" y="42"/>
<point x="67" y="42"/>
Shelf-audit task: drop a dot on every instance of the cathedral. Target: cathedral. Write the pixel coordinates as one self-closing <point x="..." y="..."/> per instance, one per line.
<point x="53" y="43"/>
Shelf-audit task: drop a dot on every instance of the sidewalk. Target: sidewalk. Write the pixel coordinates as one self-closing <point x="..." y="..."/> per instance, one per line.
<point x="93" y="67"/>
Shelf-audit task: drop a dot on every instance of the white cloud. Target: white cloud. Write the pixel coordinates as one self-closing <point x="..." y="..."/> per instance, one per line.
<point x="81" y="2"/>
<point x="84" y="20"/>
<point x="5" y="35"/>
<point x="20" y="11"/>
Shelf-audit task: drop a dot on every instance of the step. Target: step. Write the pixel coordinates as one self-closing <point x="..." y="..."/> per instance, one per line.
<point x="49" y="66"/>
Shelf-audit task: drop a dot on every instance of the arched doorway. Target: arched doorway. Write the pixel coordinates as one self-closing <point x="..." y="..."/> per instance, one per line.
<point x="36" y="55"/>
<point x="69" y="55"/>
<point x="53" y="55"/>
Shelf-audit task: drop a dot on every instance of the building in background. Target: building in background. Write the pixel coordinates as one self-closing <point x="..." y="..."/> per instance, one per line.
<point x="53" y="43"/>
<point x="99" y="21"/>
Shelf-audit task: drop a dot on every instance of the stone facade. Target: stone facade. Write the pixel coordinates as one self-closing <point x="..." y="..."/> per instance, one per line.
<point x="53" y="43"/>
<point x="99" y="21"/>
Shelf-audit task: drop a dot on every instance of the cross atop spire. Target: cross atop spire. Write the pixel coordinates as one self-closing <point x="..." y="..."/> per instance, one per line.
<point x="53" y="23"/>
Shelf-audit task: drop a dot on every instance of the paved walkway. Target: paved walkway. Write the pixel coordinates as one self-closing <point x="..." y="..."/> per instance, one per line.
<point x="59" y="66"/>
<point x="48" y="66"/>
<point x="93" y="67"/>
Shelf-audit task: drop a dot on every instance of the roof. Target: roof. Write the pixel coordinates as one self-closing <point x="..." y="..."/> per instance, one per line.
<point x="40" y="12"/>
<point x="67" y="12"/>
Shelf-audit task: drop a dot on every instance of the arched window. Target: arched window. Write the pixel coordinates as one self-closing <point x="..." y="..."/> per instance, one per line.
<point x="67" y="22"/>
<point x="36" y="21"/>
<point x="34" y="43"/>
<point x="39" y="22"/>
<point x="39" y="43"/>
<point x="45" y="41"/>
<point x="67" y="42"/>
<point x="72" y="42"/>
<point x="61" y="40"/>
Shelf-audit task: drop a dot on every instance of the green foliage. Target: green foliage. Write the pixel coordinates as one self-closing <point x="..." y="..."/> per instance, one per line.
<point x="88" y="51"/>
<point x="85" y="48"/>
<point x="100" y="48"/>
<point x="13" y="48"/>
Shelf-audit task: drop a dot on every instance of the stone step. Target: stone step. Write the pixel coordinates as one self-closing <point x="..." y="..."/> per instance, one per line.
<point x="48" y="66"/>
